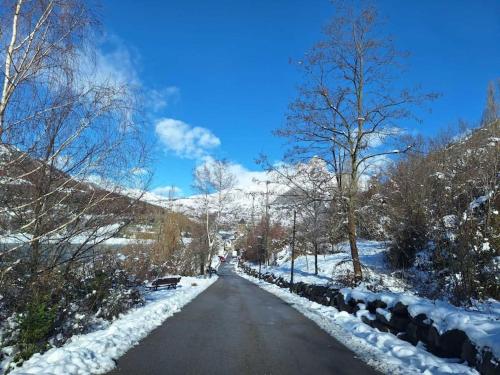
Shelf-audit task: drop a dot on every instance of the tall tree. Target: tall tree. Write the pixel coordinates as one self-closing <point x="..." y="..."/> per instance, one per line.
<point x="68" y="139"/>
<point x="347" y="110"/>
<point x="214" y="183"/>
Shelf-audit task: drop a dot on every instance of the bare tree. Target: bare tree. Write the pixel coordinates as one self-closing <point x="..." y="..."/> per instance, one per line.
<point x="69" y="142"/>
<point x="214" y="182"/>
<point x="349" y="107"/>
<point x="40" y="40"/>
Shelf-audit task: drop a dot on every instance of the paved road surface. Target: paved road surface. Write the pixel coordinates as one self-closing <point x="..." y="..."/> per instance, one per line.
<point x="234" y="327"/>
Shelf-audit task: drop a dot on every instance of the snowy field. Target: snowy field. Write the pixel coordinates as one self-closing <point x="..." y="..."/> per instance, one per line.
<point x="383" y="351"/>
<point x="331" y="266"/>
<point x="96" y="352"/>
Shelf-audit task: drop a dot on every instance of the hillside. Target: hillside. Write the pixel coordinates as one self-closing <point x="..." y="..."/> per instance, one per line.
<point x="27" y="182"/>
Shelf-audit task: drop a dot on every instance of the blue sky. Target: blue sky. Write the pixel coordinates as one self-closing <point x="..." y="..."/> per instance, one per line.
<point x="219" y="78"/>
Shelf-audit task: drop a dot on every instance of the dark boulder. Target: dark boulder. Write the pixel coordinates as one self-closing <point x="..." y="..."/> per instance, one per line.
<point x="451" y="343"/>
<point x="488" y="365"/>
<point x="372" y="306"/>
<point x="381" y="318"/>
<point x="418" y="329"/>
<point x="399" y="322"/>
<point x="318" y="293"/>
<point x="411" y="333"/>
<point x="469" y="353"/>
<point x="333" y="298"/>
<point x="367" y="320"/>
<point x="432" y="341"/>
<point x="344" y="305"/>
<point x="381" y="326"/>
<point x="400" y="309"/>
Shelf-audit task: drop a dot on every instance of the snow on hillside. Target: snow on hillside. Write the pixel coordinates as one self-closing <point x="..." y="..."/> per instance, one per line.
<point x="104" y="235"/>
<point x="248" y="195"/>
<point x="96" y="352"/>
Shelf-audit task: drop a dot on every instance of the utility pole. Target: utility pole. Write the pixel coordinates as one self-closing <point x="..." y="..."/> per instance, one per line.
<point x="266" y="257"/>
<point x="293" y="248"/>
<point x="253" y="209"/>
<point x="260" y="255"/>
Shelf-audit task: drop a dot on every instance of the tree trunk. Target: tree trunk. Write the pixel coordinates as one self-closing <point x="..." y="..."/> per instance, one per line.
<point x="315" y="258"/>
<point x="351" y="230"/>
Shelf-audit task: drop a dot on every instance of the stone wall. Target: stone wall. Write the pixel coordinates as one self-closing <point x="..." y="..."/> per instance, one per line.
<point x="396" y="320"/>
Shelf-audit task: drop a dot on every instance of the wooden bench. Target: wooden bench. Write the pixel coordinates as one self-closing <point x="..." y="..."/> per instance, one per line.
<point x="170" y="282"/>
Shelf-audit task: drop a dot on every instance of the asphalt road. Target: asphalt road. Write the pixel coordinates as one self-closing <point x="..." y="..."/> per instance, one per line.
<point x="234" y="327"/>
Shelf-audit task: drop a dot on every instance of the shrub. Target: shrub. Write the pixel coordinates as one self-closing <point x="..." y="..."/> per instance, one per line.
<point x="36" y="325"/>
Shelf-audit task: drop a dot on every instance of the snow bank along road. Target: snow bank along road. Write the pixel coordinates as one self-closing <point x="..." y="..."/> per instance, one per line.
<point x="95" y="352"/>
<point x="235" y="327"/>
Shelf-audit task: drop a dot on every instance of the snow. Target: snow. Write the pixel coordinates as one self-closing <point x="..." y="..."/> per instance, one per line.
<point x="450" y="221"/>
<point x="96" y="352"/>
<point x="384" y="351"/>
<point x="102" y="235"/>
<point x="481" y="324"/>
<point x="478" y="202"/>
<point x="439" y="175"/>
<point x="372" y="255"/>
<point x="482" y="328"/>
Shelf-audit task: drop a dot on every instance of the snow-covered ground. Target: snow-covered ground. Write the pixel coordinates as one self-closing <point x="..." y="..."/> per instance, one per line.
<point x="383" y="351"/>
<point x="104" y="235"/>
<point x="96" y="352"/>
<point x="482" y="327"/>
<point x="331" y="266"/>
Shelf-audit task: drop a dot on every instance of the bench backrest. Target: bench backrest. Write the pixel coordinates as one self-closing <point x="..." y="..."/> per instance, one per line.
<point x="166" y="280"/>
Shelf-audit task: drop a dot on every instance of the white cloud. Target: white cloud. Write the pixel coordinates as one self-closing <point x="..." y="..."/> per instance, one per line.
<point x="245" y="179"/>
<point x="109" y="62"/>
<point x="160" y="99"/>
<point x="185" y="140"/>
<point x="167" y="191"/>
<point x="377" y="139"/>
<point x="112" y="62"/>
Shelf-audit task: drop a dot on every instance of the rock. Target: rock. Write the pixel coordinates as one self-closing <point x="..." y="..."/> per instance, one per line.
<point x="372" y="306"/>
<point x="380" y="326"/>
<point x="381" y="318"/>
<point x="400" y="309"/>
<point x="367" y="320"/>
<point x="411" y="333"/>
<point x="423" y="327"/>
<point x="318" y="293"/>
<point x="488" y="365"/>
<point x="451" y="343"/>
<point x="342" y="305"/>
<point x="355" y="305"/>
<point x="399" y="322"/>
<point x="375" y="323"/>
<point x="333" y="299"/>
<point x="469" y="353"/>
<point x="301" y="288"/>
<point x="404" y="336"/>
<point x="432" y="341"/>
